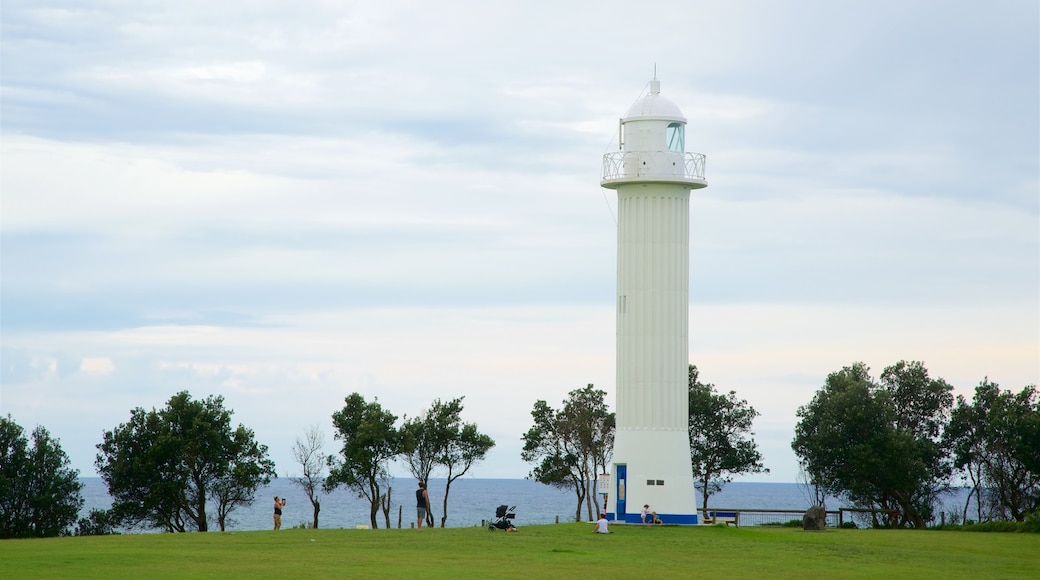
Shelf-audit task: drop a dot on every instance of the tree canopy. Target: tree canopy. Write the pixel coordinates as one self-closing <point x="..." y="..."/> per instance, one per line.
<point x="40" y="494"/>
<point x="164" y="467"/>
<point x="995" y="440"/>
<point x="424" y="437"/>
<point x="370" y="441"/>
<point x="878" y="444"/>
<point x="720" y="437"/>
<point x="463" y="450"/>
<point x="572" y="445"/>
<point x="439" y="438"/>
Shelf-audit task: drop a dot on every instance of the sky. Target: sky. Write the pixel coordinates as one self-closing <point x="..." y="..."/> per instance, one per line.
<point x="283" y="203"/>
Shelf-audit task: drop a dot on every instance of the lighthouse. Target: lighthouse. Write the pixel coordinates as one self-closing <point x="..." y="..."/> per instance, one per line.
<point x="653" y="175"/>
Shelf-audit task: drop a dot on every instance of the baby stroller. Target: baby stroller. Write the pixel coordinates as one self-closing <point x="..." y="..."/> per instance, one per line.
<point x="503" y="515"/>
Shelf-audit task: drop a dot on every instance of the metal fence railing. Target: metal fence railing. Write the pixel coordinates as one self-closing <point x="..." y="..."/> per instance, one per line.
<point x="759" y="517"/>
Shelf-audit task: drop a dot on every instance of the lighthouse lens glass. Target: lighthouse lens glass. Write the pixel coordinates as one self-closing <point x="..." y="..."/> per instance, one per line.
<point x="676" y="140"/>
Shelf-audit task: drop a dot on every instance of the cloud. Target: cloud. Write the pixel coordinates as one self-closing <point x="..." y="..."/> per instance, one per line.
<point x="101" y="365"/>
<point x="283" y="204"/>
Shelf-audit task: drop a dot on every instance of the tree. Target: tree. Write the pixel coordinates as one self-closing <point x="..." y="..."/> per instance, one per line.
<point x="249" y="468"/>
<point x="965" y="437"/>
<point x="878" y="444"/>
<point x="162" y="467"/>
<point x="308" y="452"/>
<point x="464" y="450"/>
<point x="40" y="495"/>
<point x="98" y="523"/>
<point x="572" y="445"/>
<point x="996" y="441"/>
<point x="922" y="409"/>
<point x="424" y="437"/>
<point x="438" y="437"/>
<point x="719" y="443"/>
<point x="370" y="441"/>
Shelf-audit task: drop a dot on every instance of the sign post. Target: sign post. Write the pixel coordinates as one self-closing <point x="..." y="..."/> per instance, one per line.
<point x="603" y="488"/>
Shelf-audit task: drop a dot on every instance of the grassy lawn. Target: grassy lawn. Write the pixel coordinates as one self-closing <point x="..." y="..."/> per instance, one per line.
<point x="551" y="551"/>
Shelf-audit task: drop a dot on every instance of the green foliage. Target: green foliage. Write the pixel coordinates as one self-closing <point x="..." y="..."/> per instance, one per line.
<point x="878" y="443"/>
<point x="98" y="523"/>
<point x="572" y="445"/>
<point x="720" y="437"/>
<point x="370" y="441"/>
<point x="164" y="467"/>
<point x="439" y="437"/>
<point x="1032" y="523"/>
<point x="995" y="440"/>
<point x="40" y="495"/>
<point x="465" y="448"/>
<point x="994" y="526"/>
<point x="787" y="524"/>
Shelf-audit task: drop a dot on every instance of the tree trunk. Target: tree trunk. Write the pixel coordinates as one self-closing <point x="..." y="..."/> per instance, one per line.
<point x="908" y="512"/>
<point x="317" y="508"/>
<point x="202" y="521"/>
<point x="386" y="506"/>
<point x="444" y="507"/>
<point x="579" y="489"/>
<point x="590" y="498"/>
<point x="375" y="497"/>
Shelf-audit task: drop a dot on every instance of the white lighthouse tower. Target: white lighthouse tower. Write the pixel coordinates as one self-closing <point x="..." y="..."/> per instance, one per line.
<point x="653" y="175"/>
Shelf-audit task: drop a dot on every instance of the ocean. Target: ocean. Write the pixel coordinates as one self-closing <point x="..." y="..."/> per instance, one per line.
<point x="471" y="502"/>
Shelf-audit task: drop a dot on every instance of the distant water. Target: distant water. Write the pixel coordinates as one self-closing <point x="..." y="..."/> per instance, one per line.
<point x="470" y="502"/>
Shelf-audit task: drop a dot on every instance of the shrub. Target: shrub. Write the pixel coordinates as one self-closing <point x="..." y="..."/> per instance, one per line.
<point x="99" y="523"/>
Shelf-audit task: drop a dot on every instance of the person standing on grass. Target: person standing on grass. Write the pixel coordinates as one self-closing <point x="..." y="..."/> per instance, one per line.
<point x="278" y="505"/>
<point x="644" y="513"/>
<point x="422" y="503"/>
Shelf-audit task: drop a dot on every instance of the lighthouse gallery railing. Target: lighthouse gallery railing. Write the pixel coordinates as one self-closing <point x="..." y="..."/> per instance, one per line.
<point x="634" y="164"/>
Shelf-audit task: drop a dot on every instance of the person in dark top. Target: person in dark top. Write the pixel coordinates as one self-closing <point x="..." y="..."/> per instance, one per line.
<point x="422" y="503"/>
<point x="278" y="505"/>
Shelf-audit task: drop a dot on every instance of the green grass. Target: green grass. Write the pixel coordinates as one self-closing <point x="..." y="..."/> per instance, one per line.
<point x="551" y="551"/>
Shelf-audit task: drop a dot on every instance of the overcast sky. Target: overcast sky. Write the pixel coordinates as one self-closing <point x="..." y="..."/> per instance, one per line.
<point x="286" y="202"/>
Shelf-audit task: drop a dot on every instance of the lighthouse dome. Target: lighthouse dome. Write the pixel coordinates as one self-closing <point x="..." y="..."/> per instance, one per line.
<point x="654" y="106"/>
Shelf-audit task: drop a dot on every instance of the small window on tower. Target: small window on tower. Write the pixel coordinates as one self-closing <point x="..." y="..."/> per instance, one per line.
<point x="676" y="139"/>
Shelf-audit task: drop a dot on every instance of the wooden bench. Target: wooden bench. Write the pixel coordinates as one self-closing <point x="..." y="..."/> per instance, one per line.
<point x="721" y="517"/>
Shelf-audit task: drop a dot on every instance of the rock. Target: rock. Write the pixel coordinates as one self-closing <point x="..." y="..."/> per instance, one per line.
<point x="815" y="519"/>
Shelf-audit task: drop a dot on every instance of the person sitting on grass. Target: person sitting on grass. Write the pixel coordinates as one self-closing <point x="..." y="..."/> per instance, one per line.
<point x="601" y="525"/>
<point x="654" y="519"/>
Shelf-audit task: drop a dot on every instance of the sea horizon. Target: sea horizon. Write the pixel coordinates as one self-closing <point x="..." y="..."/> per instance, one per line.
<point x="471" y="502"/>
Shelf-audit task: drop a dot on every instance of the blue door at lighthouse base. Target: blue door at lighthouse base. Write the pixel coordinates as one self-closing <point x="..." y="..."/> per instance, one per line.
<point x="621" y="475"/>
